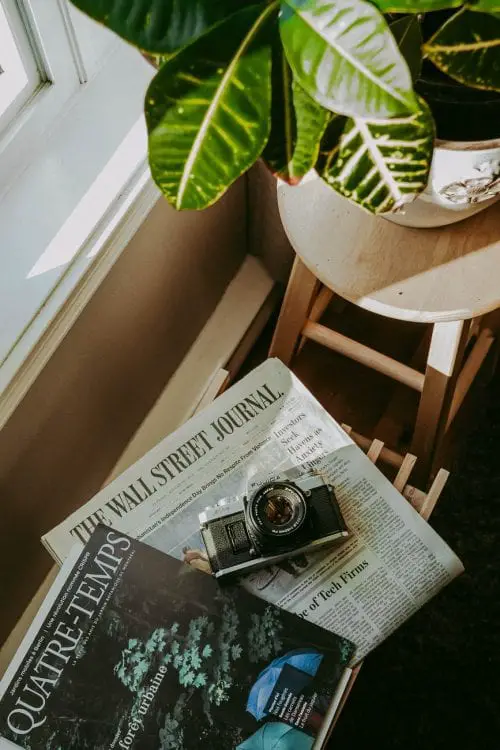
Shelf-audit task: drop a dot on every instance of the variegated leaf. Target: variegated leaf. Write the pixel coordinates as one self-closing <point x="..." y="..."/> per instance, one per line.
<point x="344" y="55"/>
<point x="159" y="26"/>
<point x="382" y="164"/>
<point x="208" y="109"/>
<point x="467" y="48"/>
<point x="415" y="6"/>
<point x="312" y="120"/>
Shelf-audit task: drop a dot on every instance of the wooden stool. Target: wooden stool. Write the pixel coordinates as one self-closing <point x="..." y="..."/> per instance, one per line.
<point x="448" y="276"/>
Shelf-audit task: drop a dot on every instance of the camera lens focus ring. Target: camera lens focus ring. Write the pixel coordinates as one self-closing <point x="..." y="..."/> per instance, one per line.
<point x="276" y="510"/>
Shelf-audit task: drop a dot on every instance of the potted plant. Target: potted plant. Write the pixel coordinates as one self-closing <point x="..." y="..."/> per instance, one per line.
<point x="387" y="100"/>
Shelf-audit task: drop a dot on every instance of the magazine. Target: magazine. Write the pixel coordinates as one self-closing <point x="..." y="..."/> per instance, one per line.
<point x="134" y="649"/>
<point x="269" y="423"/>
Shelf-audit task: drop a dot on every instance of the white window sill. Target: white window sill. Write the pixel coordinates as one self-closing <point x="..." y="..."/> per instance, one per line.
<point x="68" y="216"/>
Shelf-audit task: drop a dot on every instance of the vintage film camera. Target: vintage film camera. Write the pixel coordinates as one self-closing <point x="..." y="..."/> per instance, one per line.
<point x="280" y="519"/>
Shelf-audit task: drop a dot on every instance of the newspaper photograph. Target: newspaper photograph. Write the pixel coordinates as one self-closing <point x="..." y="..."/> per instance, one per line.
<point x="269" y="425"/>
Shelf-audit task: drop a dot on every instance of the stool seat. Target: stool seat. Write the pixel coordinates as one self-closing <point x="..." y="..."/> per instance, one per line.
<point x="419" y="275"/>
<point x="448" y="277"/>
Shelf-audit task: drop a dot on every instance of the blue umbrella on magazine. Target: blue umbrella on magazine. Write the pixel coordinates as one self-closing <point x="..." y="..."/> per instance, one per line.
<point x="306" y="660"/>
<point x="277" y="736"/>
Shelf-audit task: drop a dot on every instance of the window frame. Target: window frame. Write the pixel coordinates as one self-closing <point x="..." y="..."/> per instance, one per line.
<point x="53" y="39"/>
<point x="23" y="51"/>
<point x="47" y="174"/>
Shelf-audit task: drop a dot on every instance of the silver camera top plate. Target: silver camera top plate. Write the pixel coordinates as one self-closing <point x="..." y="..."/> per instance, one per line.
<point x="309" y="482"/>
<point x="225" y="507"/>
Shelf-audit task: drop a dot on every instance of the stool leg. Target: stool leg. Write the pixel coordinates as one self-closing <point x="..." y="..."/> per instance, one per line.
<point x="321" y="302"/>
<point x="443" y="366"/>
<point x="299" y="298"/>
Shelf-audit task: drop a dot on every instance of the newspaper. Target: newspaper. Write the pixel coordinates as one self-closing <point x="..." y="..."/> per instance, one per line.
<point x="269" y="424"/>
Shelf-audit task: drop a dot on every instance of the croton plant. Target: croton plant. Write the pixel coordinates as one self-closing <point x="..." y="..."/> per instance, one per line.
<point x="303" y="84"/>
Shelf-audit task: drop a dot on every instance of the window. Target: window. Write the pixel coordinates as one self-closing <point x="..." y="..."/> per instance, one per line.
<point x="19" y="74"/>
<point x="53" y="56"/>
<point x="72" y="163"/>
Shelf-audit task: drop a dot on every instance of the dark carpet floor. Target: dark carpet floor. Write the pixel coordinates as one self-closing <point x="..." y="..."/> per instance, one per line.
<point x="435" y="683"/>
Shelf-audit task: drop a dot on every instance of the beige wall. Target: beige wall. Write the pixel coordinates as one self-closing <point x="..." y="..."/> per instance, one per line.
<point x="62" y="441"/>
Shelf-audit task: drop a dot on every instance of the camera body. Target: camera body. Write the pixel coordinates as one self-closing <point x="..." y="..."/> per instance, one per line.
<point x="281" y="519"/>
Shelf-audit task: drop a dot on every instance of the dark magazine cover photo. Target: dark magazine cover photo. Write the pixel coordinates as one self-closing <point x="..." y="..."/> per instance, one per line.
<point x="142" y="651"/>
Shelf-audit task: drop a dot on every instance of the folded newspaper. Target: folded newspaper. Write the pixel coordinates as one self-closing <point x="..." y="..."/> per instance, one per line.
<point x="268" y="424"/>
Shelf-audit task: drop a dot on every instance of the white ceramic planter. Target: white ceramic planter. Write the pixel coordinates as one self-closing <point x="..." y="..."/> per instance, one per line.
<point x="464" y="179"/>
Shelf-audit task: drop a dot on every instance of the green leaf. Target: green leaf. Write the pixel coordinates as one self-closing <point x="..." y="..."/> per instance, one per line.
<point x="297" y="125"/>
<point x="344" y="55"/>
<point x="382" y="164"/>
<point x="408" y="35"/>
<point x="208" y="109"/>
<point x="467" y="48"/>
<point x="415" y="6"/>
<point x="159" y="26"/>
<point x="279" y="149"/>
<point x="312" y="120"/>
<point x="484" y="6"/>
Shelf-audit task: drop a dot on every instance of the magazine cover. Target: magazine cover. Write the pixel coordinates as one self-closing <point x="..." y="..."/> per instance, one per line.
<point x="138" y="650"/>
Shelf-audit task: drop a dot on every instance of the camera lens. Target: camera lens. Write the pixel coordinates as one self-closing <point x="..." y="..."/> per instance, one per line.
<point x="276" y="510"/>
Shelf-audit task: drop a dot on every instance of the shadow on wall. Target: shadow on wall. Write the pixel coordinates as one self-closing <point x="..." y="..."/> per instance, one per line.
<point x="60" y="444"/>
<point x="266" y="236"/>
